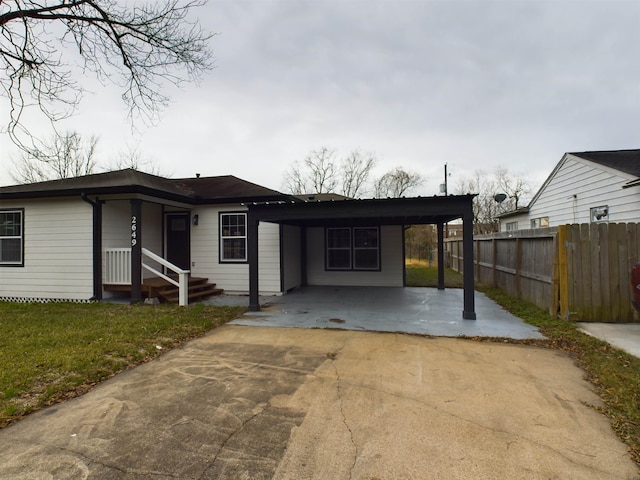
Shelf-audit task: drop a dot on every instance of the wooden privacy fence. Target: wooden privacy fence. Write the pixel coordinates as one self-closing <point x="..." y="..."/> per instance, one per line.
<point x="579" y="272"/>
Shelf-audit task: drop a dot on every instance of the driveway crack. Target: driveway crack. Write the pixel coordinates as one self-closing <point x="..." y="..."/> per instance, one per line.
<point x="344" y="417"/>
<point x="233" y="434"/>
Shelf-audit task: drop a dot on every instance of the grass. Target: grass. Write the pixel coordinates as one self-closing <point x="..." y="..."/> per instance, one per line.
<point x="54" y="351"/>
<point x="614" y="373"/>
<point x="421" y="274"/>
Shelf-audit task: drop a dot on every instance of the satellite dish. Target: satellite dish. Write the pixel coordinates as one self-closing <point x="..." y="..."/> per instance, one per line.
<point x="500" y="197"/>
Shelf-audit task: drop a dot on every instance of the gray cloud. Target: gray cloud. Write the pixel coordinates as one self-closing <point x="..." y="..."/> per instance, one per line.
<point x="473" y="83"/>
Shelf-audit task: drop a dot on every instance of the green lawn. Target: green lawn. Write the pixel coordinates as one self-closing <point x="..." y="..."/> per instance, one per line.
<point x="420" y="275"/>
<point x="50" y="352"/>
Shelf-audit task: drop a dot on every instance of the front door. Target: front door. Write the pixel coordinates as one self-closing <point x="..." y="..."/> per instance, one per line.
<point x="177" y="236"/>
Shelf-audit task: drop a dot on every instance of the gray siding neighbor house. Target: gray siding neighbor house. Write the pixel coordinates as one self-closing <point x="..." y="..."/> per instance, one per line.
<point x="584" y="187"/>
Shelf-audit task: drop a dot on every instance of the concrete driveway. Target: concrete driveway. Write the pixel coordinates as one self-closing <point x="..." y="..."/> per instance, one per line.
<point x="284" y="403"/>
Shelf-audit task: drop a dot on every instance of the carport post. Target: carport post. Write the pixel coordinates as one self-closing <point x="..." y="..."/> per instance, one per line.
<point x="440" y="256"/>
<point x="469" y="312"/>
<point x="252" y="252"/>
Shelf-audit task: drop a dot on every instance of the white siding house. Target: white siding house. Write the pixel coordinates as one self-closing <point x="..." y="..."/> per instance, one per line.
<point x="89" y="238"/>
<point x="56" y="251"/>
<point x="584" y="187"/>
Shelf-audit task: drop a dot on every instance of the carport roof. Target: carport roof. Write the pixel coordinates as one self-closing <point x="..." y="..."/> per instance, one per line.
<point x="388" y="211"/>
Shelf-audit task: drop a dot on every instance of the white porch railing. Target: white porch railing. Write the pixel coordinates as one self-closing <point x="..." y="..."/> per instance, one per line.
<point x="117" y="266"/>
<point x="118" y="270"/>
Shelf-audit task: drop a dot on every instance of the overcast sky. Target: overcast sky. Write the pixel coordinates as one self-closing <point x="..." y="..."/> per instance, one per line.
<point x="474" y="84"/>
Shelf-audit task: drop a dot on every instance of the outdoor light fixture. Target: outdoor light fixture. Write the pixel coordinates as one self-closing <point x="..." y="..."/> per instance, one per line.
<point x="194" y="220"/>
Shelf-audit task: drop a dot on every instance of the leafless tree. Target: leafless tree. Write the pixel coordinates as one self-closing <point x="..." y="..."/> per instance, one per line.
<point x="515" y="187"/>
<point x="133" y="157"/>
<point x="356" y="169"/>
<point x="396" y="183"/>
<point x="322" y="172"/>
<point x="64" y="156"/>
<point x="318" y="173"/>
<point x="138" y="47"/>
<point x="486" y="206"/>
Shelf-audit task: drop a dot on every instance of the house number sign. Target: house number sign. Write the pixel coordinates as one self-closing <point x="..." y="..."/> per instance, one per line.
<point x="134" y="230"/>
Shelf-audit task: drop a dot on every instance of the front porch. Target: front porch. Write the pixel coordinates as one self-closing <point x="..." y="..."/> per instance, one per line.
<point x="165" y="285"/>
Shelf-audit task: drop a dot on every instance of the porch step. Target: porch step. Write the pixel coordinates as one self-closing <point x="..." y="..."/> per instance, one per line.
<point x="199" y="289"/>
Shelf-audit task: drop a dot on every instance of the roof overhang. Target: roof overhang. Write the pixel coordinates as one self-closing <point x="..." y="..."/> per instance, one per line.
<point x="390" y="211"/>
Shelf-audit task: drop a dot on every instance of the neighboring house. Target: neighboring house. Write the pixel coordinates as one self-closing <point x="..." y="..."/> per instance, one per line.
<point x="83" y="238"/>
<point x="584" y="187"/>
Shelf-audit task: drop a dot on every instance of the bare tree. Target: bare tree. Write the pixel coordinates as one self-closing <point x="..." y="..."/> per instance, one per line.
<point x="133" y="157"/>
<point x="136" y="46"/>
<point x="317" y="174"/>
<point x="486" y="206"/>
<point x="356" y="169"/>
<point x="515" y="187"/>
<point x="396" y="183"/>
<point x="64" y="156"/>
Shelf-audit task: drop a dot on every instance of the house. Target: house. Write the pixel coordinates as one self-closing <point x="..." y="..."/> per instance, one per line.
<point x="83" y="238"/>
<point x="584" y="187"/>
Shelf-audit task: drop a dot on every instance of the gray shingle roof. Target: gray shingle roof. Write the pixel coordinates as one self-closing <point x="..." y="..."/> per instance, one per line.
<point x="225" y="188"/>
<point x="627" y="161"/>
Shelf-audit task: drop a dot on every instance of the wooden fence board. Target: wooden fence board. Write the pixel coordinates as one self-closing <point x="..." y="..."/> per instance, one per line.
<point x="614" y="274"/>
<point x="579" y="272"/>
<point x="596" y="289"/>
<point x="584" y="307"/>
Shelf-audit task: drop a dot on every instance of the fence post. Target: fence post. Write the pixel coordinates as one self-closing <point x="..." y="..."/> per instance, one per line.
<point x="563" y="280"/>
<point x="554" y="305"/>
<point x="494" y="255"/>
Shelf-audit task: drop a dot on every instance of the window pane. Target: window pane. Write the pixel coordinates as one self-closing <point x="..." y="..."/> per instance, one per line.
<point x="10" y="250"/>
<point x="339" y="238"/>
<point x="234" y="249"/>
<point x="339" y="259"/>
<point x="365" y="237"/>
<point x="234" y="225"/>
<point x="365" y="259"/>
<point x="10" y="224"/>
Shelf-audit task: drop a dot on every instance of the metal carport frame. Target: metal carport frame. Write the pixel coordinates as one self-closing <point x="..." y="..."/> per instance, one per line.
<point x="390" y="211"/>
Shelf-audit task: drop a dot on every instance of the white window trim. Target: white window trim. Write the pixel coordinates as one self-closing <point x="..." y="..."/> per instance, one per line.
<point x="233" y="237"/>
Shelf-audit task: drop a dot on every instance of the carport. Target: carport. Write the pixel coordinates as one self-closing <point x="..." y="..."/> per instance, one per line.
<point x="391" y="211"/>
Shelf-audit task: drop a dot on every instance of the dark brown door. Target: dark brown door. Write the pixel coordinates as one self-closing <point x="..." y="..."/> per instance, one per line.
<point x="178" y="251"/>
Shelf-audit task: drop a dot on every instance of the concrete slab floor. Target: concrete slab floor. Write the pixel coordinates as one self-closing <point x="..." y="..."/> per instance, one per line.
<point x="625" y="336"/>
<point x="426" y="311"/>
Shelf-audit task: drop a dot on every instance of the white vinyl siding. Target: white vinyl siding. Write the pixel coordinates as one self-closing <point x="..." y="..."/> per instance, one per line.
<point x="58" y="245"/>
<point x="578" y="186"/>
<point x="391" y="261"/>
<point x="233" y="277"/>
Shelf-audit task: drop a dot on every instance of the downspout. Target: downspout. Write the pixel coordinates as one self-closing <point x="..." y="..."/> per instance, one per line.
<point x="97" y="245"/>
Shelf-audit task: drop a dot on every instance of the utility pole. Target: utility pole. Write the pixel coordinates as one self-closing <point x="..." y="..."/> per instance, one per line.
<point x="445" y="180"/>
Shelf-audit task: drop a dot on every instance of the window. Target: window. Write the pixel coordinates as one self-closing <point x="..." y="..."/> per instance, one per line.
<point x="11" y="236"/>
<point x="512" y="226"/>
<point x="353" y="248"/>
<point x="540" y="222"/>
<point x="233" y="237"/>
<point x="600" y="214"/>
